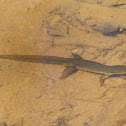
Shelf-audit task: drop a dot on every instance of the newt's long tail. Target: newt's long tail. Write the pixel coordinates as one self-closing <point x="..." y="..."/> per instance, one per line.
<point x="38" y="59"/>
<point x="46" y="60"/>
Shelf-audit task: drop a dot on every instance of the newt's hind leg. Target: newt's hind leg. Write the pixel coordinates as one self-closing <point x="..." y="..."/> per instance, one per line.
<point x="102" y="79"/>
<point x="68" y="71"/>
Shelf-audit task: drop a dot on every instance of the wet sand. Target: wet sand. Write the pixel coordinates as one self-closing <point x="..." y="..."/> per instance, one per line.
<point x="32" y="94"/>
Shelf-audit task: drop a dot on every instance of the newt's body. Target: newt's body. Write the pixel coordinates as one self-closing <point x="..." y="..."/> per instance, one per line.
<point x="72" y="64"/>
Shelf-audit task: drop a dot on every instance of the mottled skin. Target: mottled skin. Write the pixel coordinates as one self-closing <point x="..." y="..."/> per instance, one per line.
<point x="72" y="64"/>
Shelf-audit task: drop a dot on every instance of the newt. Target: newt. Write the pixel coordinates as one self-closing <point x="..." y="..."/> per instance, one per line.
<point x="72" y="65"/>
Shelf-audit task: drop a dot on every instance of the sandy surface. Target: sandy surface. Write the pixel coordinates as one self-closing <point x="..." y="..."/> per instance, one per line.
<point x="32" y="94"/>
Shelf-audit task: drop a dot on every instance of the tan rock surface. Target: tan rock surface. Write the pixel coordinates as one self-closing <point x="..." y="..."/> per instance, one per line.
<point x="32" y="94"/>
